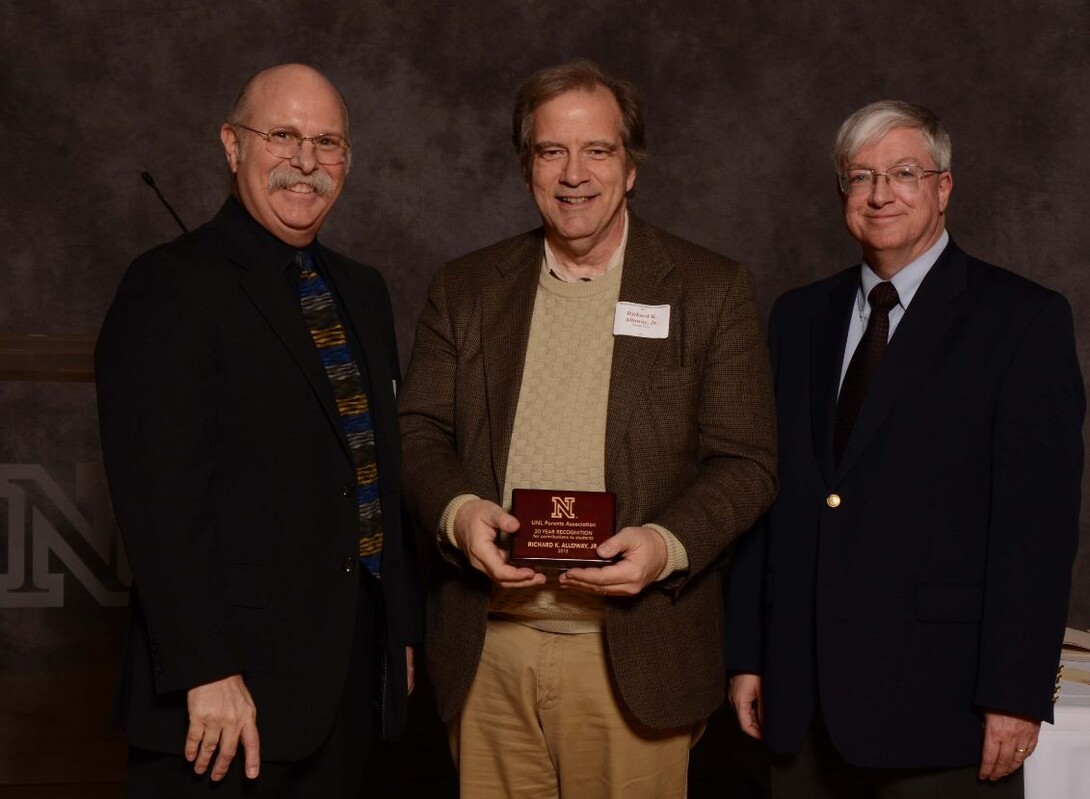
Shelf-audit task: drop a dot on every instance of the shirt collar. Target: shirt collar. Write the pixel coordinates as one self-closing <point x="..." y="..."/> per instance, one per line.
<point x="615" y="259"/>
<point x="272" y="249"/>
<point x="907" y="280"/>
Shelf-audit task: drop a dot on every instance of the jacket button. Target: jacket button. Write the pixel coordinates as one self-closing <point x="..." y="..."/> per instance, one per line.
<point x="833" y="500"/>
<point x="349" y="565"/>
<point x="348" y="490"/>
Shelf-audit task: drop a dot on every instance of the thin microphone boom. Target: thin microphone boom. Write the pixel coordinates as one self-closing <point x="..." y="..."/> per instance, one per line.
<point x="151" y="182"/>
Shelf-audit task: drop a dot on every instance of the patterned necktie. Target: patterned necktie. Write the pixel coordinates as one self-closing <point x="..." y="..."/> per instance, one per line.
<point x="871" y="348"/>
<point x="320" y="314"/>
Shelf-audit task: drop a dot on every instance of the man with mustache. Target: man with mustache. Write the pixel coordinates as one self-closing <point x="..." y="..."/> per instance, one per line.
<point x="246" y="380"/>
<point x="537" y="366"/>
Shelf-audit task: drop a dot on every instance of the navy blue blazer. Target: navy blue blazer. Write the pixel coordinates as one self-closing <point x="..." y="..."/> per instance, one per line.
<point x="926" y="578"/>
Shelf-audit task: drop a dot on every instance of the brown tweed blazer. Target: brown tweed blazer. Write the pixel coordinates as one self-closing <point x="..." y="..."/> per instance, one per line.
<point x="690" y="445"/>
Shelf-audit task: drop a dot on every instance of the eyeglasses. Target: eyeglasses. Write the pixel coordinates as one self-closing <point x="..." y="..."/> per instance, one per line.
<point x="329" y="148"/>
<point x="905" y="177"/>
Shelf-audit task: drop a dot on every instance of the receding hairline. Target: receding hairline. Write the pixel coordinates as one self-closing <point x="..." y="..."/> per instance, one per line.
<point x="242" y="108"/>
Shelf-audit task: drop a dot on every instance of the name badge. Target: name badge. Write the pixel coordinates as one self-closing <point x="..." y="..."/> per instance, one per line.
<point x="645" y="321"/>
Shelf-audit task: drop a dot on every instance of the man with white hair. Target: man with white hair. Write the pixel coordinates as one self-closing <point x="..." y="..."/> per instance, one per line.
<point x="246" y="380"/>
<point x="893" y="628"/>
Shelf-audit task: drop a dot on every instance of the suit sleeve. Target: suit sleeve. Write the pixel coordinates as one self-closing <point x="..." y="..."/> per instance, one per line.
<point x="744" y="591"/>
<point x="735" y="480"/>
<point x="407" y="596"/>
<point x="156" y="368"/>
<point x="1037" y="473"/>
<point x="433" y="473"/>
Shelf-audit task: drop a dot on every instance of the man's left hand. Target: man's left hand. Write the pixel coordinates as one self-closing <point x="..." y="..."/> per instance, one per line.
<point x="643" y="557"/>
<point x="1008" y="741"/>
<point x="410" y="668"/>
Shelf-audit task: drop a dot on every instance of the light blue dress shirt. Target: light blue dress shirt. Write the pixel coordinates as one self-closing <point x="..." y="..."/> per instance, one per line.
<point x="906" y="281"/>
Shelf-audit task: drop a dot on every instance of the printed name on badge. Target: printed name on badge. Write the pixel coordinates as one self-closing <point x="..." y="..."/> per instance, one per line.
<point x="645" y="321"/>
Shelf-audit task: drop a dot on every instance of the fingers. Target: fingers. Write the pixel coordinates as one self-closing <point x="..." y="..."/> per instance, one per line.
<point x="221" y="714"/>
<point x="643" y="557"/>
<point x="485" y="556"/>
<point x="619" y="579"/>
<point x="193" y="738"/>
<point x="252" y="745"/>
<point x="1004" y="759"/>
<point x="989" y="758"/>
<point x="994" y="764"/>
<point x="519" y="578"/>
<point x="745" y="697"/>
<point x="476" y="526"/>
<point x="747" y="721"/>
<point x="760" y="704"/>
<point x="228" y="749"/>
<point x="1008" y="741"/>
<point x="490" y="559"/>
<point x="201" y="741"/>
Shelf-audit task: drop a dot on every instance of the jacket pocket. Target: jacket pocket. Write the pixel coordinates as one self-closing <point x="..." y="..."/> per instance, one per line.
<point x="673" y="377"/>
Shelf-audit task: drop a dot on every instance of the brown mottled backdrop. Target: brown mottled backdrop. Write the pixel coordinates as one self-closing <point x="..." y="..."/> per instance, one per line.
<point x="743" y="99"/>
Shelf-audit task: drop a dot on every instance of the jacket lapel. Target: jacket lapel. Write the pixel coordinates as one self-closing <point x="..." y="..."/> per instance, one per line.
<point x="828" y="333"/>
<point x="643" y="281"/>
<point x="912" y="348"/>
<point x="264" y="283"/>
<point x="369" y="318"/>
<point x="507" y="305"/>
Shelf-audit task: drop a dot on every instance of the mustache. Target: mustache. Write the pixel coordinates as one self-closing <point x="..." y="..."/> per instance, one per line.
<point x="284" y="177"/>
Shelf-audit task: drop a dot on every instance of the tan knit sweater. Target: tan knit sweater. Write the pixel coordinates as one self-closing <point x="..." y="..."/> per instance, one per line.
<point x="558" y="440"/>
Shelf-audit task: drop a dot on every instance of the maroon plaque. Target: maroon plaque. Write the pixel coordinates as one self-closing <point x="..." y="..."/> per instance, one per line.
<point x="561" y="529"/>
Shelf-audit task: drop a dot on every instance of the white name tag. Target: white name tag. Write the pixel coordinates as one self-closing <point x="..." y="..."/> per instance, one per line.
<point x="645" y="321"/>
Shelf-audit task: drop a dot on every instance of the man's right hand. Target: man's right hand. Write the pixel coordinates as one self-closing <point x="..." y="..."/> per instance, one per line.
<point x="748" y="702"/>
<point x="222" y="714"/>
<point x="476" y="526"/>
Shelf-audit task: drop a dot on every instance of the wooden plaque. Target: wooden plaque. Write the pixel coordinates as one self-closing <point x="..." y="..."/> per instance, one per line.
<point x="561" y="529"/>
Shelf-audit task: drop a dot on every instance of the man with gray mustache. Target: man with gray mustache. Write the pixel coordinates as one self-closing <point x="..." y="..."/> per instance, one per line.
<point x="246" y="382"/>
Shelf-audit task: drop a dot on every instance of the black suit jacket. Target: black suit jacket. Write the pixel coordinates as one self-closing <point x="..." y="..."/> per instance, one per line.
<point x="937" y="587"/>
<point x="233" y="486"/>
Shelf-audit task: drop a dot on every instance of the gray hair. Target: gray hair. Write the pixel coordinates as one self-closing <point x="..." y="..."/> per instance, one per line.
<point x="871" y="122"/>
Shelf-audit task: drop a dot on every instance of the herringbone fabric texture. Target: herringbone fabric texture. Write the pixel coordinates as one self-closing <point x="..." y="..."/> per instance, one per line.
<point x="689" y="444"/>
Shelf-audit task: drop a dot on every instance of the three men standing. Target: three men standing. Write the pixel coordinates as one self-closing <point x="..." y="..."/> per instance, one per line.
<point x="524" y="375"/>
<point x="894" y="624"/>
<point x="246" y="379"/>
<point x="895" y="618"/>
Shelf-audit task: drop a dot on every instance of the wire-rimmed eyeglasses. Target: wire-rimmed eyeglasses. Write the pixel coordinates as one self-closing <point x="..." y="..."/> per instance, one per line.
<point x="329" y="148"/>
<point x="901" y="176"/>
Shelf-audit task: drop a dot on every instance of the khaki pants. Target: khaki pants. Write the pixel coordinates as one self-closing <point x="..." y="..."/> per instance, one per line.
<point x="542" y="720"/>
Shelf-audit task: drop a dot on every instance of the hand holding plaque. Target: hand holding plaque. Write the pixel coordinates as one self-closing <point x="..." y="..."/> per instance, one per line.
<point x="479" y="528"/>
<point x="561" y="529"/>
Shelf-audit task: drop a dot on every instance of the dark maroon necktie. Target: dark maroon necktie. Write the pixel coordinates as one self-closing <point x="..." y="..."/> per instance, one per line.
<point x="864" y="361"/>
